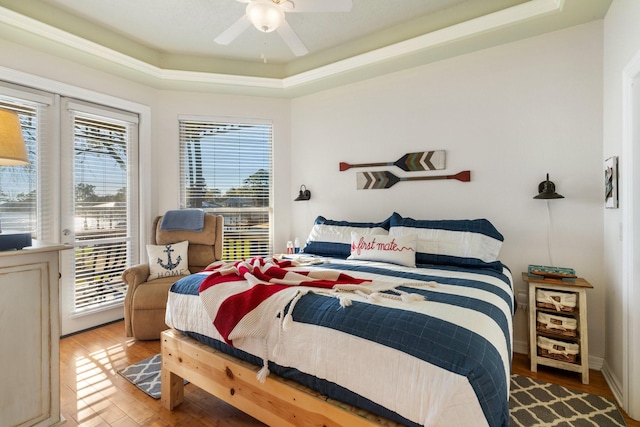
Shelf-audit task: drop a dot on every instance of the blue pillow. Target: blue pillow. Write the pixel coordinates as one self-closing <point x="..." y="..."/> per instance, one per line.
<point x="465" y="243"/>
<point x="333" y="238"/>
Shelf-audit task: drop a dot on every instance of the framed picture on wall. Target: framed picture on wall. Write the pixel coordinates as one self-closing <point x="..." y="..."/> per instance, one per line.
<point x="611" y="183"/>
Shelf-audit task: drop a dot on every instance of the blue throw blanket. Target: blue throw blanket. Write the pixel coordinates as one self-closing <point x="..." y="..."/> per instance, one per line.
<point x="183" y="219"/>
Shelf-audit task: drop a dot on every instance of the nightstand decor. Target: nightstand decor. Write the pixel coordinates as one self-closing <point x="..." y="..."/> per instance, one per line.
<point x="552" y="272"/>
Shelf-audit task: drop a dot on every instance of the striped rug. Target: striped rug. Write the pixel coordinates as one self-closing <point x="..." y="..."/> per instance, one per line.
<point x="537" y="403"/>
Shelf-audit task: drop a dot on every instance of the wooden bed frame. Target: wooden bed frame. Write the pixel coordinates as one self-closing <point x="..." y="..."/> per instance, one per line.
<point x="276" y="402"/>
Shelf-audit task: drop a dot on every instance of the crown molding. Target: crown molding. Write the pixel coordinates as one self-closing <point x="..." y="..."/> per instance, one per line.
<point x="464" y="31"/>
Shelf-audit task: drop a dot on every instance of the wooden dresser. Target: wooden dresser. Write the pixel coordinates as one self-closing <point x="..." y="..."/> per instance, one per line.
<point x="29" y="336"/>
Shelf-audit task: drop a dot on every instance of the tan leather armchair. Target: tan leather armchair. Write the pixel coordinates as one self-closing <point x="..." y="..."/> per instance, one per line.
<point x="146" y="302"/>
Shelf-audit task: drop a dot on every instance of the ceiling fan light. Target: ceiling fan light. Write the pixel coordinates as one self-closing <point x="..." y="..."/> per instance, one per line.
<point x="265" y="16"/>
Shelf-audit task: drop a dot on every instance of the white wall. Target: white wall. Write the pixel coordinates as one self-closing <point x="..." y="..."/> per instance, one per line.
<point x="621" y="44"/>
<point x="510" y="114"/>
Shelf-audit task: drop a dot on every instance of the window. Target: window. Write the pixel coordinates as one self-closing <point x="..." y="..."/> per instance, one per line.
<point x="102" y="150"/>
<point x="21" y="204"/>
<point x="225" y="168"/>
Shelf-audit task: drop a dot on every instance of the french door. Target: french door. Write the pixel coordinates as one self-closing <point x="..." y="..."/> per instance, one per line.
<point x="80" y="188"/>
<point x="98" y="206"/>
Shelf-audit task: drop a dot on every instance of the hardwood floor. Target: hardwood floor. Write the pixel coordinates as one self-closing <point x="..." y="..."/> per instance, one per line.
<point x="94" y="394"/>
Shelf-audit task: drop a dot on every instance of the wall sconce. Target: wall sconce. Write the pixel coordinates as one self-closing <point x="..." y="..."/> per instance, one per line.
<point x="303" y="195"/>
<point x="547" y="190"/>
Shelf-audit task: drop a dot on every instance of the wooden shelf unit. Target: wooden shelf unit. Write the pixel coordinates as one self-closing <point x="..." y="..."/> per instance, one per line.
<point x="578" y="287"/>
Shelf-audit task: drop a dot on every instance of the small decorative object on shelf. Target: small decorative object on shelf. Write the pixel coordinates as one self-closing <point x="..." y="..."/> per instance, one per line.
<point x="544" y="271"/>
<point x="558" y="334"/>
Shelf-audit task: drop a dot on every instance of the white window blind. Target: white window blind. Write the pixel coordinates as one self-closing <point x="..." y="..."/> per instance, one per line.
<point x="102" y="206"/>
<point x="226" y="168"/>
<point x="21" y="204"/>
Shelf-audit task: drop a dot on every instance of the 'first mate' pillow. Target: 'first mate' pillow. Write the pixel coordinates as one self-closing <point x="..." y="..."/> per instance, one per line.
<point x="393" y="249"/>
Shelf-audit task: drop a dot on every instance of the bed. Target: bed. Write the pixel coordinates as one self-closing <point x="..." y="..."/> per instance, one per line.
<point x="423" y="336"/>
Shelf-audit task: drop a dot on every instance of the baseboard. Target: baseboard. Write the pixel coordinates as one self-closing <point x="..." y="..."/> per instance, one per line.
<point x="614" y="383"/>
<point x="522" y="347"/>
<point x="596" y="363"/>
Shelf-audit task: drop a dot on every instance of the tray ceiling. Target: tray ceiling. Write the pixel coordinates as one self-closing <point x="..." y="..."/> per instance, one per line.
<point x="170" y="42"/>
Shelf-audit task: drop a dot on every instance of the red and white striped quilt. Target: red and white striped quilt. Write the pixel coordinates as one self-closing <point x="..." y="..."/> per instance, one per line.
<point x="263" y="288"/>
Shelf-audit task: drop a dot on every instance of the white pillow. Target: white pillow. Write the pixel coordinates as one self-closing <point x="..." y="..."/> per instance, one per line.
<point x="168" y="260"/>
<point x="332" y="238"/>
<point x="393" y="249"/>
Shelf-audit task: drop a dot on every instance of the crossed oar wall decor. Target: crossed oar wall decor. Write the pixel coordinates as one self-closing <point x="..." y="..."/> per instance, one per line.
<point x="385" y="179"/>
<point x="410" y="162"/>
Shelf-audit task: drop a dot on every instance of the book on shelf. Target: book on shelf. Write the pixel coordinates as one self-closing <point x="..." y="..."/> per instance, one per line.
<point x="550" y="272"/>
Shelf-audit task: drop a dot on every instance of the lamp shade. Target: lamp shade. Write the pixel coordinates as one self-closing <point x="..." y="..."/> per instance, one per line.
<point x="13" y="151"/>
<point x="266" y="16"/>
<point x="547" y="190"/>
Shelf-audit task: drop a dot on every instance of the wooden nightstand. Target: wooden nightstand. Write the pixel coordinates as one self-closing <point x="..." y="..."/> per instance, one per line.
<point x="563" y="327"/>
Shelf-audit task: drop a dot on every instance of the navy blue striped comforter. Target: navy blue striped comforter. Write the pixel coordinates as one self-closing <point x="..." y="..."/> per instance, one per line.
<point x="442" y="361"/>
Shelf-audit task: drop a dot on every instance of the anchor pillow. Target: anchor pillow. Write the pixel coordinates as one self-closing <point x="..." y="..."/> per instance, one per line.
<point x="168" y="260"/>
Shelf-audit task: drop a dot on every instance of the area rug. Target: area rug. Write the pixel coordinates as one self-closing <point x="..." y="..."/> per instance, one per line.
<point x="145" y="375"/>
<point x="532" y="402"/>
<point x="536" y="403"/>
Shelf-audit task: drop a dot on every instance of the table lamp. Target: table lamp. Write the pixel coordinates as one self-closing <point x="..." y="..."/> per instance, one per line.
<point x="13" y="152"/>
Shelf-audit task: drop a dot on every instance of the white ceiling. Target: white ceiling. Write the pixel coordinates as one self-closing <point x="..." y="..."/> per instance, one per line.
<point x="170" y="40"/>
<point x="188" y="27"/>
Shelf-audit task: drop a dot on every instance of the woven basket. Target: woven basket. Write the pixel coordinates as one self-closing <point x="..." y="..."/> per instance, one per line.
<point x="559" y="350"/>
<point x="559" y="325"/>
<point x="559" y="301"/>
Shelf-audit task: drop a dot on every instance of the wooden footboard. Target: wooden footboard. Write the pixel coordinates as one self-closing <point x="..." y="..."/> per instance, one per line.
<point x="277" y="402"/>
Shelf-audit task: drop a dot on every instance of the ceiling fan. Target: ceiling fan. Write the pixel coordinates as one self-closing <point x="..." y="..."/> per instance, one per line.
<point x="269" y="15"/>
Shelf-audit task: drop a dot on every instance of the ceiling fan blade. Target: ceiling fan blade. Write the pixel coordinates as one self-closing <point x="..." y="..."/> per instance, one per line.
<point x="230" y="34"/>
<point x="317" y="5"/>
<point x="291" y="39"/>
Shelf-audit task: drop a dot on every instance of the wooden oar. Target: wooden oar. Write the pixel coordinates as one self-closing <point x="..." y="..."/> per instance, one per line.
<point x="410" y="162"/>
<point x="385" y="179"/>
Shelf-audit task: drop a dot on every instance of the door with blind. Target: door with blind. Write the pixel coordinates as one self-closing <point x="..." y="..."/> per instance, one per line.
<point x="98" y="212"/>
